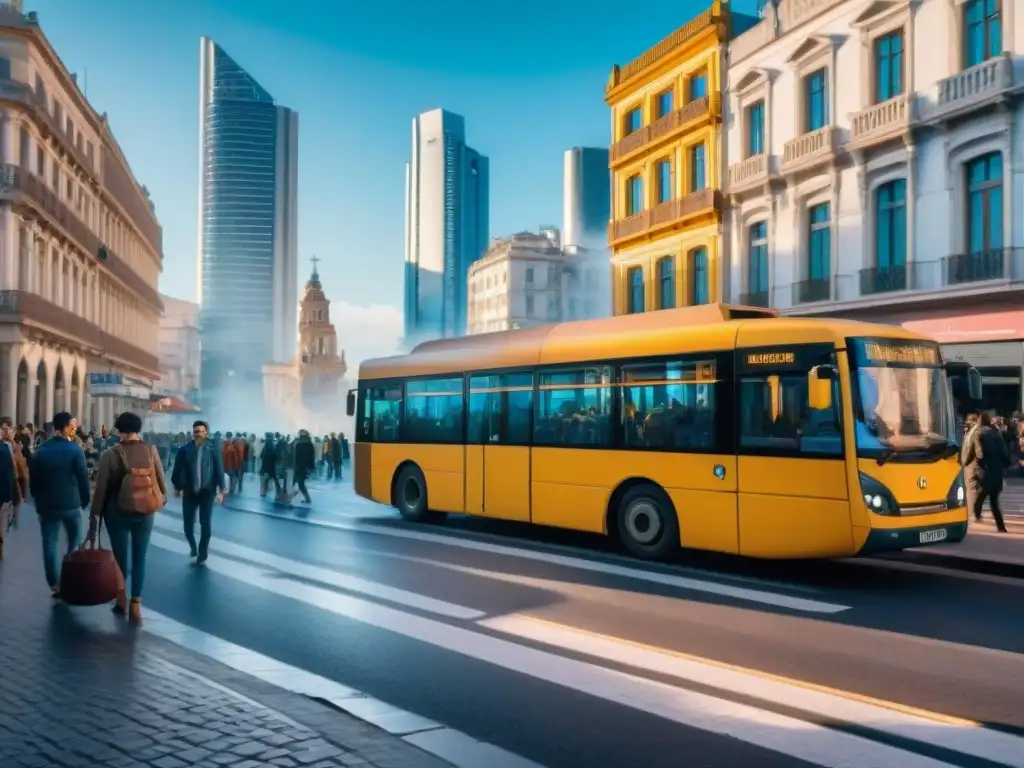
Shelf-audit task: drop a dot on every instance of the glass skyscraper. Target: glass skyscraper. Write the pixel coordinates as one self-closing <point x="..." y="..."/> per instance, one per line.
<point x="248" y="270"/>
<point x="587" y="190"/>
<point x="447" y="210"/>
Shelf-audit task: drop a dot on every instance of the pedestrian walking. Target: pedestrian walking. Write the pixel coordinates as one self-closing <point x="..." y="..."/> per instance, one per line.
<point x="231" y="460"/>
<point x="59" y="482"/>
<point x="242" y="452"/>
<point x="8" y="479"/>
<point x="198" y="478"/>
<point x="305" y="463"/>
<point x="9" y="437"/>
<point x="268" y="468"/>
<point x="335" y="457"/>
<point x="130" y="489"/>
<point x="985" y="459"/>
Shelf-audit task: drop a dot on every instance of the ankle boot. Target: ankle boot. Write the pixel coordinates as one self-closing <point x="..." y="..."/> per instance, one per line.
<point x="135" y="611"/>
<point x="121" y="603"/>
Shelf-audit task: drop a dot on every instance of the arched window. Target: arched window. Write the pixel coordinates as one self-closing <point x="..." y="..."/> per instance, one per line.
<point x="757" y="265"/>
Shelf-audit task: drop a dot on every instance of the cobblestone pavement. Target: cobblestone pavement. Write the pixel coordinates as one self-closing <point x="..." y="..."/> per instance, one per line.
<point x="80" y="689"/>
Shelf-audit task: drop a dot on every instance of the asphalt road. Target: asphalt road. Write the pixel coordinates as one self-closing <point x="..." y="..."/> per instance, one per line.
<point x="572" y="656"/>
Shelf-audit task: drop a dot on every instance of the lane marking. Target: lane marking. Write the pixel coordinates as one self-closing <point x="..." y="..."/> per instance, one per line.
<point x="768" y="730"/>
<point x="952" y="733"/>
<point x="334" y="578"/>
<point x="762" y="597"/>
<point x="454" y="747"/>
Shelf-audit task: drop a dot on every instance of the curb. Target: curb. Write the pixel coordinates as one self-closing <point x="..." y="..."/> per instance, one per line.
<point x="960" y="563"/>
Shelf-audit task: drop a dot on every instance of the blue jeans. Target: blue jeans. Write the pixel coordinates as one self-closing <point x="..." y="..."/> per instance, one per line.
<point x="130" y="533"/>
<point x="201" y="502"/>
<point x="50" y="524"/>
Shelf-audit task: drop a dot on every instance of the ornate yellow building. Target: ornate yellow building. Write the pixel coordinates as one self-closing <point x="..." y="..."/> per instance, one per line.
<point x="666" y="173"/>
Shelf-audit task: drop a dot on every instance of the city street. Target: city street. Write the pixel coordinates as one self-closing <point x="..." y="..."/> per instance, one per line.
<point x="482" y="643"/>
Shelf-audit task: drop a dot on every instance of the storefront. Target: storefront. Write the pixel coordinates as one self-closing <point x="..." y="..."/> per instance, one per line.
<point x="112" y="393"/>
<point x="993" y="342"/>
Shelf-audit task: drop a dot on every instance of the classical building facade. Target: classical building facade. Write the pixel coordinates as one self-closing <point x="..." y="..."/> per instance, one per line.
<point x="874" y="170"/>
<point x="666" y="168"/>
<point x="308" y="391"/>
<point x="528" y="279"/>
<point x="179" y="350"/>
<point x="80" y="246"/>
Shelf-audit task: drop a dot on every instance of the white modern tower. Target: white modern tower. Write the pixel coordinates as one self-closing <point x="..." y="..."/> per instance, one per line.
<point x="587" y="200"/>
<point x="446" y="224"/>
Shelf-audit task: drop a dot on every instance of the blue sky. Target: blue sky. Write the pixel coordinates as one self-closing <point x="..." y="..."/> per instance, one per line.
<point x="528" y="77"/>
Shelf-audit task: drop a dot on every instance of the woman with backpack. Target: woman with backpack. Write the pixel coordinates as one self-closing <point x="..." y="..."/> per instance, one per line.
<point x="130" y="489"/>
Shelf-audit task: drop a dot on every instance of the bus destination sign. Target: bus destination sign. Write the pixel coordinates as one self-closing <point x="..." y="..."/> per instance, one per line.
<point x="902" y="353"/>
<point x="771" y="358"/>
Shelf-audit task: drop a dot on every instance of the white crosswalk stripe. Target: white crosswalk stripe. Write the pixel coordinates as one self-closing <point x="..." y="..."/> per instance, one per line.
<point x="576" y="660"/>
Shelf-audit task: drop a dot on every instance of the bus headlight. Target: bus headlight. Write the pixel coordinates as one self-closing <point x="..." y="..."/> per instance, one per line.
<point x="877" y="498"/>
<point x="957" y="496"/>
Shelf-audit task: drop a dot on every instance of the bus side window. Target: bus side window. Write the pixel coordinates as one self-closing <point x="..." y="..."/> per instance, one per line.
<point x="385" y="413"/>
<point x="792" y="412"/>
<point x="500" y="409"/>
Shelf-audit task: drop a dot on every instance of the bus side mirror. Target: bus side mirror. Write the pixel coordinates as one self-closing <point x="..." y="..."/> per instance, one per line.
<point x="965" y="381"/>
<point x="350" y="403"/>
<point x="819" y="387"/>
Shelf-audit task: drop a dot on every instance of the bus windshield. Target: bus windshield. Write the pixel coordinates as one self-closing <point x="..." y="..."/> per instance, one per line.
<point x="902" y="398"/>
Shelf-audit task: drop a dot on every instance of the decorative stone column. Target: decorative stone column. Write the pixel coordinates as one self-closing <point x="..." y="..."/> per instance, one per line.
<point x="9" y="392"/>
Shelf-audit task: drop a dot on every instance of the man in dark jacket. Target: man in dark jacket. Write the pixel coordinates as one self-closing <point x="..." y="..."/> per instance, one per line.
<point x="198" y="478"/>
<point x="305" y="463"/>
<point x="985" y="460"/>
<point x="59" y="482"/>
<point x="8" y="480"/>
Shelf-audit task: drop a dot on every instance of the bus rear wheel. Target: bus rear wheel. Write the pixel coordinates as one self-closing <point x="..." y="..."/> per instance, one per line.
<point x="411" y="494"/>
<point x="647" y="523"/>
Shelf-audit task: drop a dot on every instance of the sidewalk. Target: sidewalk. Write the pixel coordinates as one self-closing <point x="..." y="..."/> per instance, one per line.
<point x="81" y="688"/>
<point x="983" y="551"/>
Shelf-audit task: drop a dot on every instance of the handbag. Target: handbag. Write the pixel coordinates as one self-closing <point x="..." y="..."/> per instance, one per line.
<point x="90" y="575"/>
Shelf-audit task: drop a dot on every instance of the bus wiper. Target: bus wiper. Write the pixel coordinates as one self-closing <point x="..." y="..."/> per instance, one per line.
<point x="885" y="455"/>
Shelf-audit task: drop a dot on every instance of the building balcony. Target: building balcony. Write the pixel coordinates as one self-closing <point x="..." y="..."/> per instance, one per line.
<point x="978" y="87"/>
<point x="28" y="191"/>
<point x="810" y="150"/>
<point x="36" y="106"/>
<point x="675" y="122"/>
<point x="749" y="174"/>
<point x="756" y="299"/>
<point x="881" y="122"/>
<point x="672" y="212"/>
<point x="30" y="309"/>
<point x="876" y="280"/>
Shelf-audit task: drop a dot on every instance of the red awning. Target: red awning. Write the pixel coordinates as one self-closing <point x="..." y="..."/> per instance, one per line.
<point x="171" y="405"/>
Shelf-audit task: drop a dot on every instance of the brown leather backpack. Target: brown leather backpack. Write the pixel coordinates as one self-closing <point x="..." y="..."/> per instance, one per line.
<point x="139" y="493"/>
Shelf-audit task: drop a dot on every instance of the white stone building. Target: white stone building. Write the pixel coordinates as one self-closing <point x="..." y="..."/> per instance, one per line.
<point x="876" y="169"/>
<point x="80" y="246"/>
<point x="528" y="279"/>
<point x="180" y="352"/>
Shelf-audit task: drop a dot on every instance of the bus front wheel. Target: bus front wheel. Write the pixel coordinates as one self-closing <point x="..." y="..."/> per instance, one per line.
<point x="647" y="523"/>
<point x="411" y="494"/>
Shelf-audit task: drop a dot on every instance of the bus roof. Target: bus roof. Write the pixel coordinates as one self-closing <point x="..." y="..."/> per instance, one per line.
<point x="650" y="334"/>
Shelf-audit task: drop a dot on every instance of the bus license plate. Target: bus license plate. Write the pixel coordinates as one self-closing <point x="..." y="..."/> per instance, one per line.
<point x="930" y="537"/>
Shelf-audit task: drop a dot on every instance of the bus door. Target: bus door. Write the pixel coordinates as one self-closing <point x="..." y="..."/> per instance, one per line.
<point x="793" y="498"/>
<point x="497" y="446"/>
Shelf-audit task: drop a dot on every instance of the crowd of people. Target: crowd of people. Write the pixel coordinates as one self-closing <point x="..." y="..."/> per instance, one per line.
<point x="120" y="476"/>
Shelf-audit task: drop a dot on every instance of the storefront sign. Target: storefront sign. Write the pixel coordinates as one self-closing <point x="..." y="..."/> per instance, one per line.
<point x="118" y="385"/>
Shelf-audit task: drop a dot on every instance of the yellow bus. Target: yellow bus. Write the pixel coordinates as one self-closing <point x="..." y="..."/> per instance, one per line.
<point x="718" y="428"/>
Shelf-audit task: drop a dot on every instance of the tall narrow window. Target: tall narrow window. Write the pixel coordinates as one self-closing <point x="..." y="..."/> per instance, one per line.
<point x="633" y="121"/>
<point x="663" y="103"/>
<point x="663" y="176"/>
<point x="815" y="101"/>
<point x="985" y="203"/>
<point x="635" y="293"/>
<point x="698" y="85"/>
<point x="698" y="169"/>
<point x="755" y="129"/>
<point x="634" y="195"/>
<point x="667" y="283"/>
<point x="891" y="232"/>
<point x="983" y="31"/>
<point x="888" y="66"/>
<point x="819" y="252"/>
<point x="698" y="276"/>
<point x="757" y="265"/>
